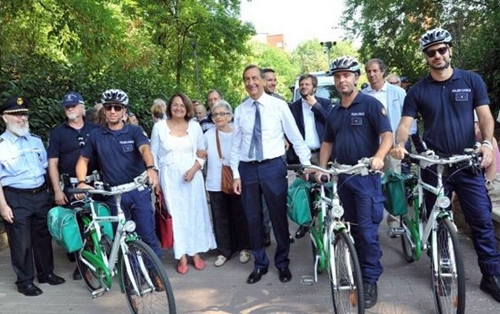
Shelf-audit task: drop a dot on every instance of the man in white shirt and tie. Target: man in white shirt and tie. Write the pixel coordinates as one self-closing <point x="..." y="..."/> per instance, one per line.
<point x="261" y="123"/>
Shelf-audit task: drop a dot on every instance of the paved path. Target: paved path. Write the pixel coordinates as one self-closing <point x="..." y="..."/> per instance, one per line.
<point x="403" y="288"/>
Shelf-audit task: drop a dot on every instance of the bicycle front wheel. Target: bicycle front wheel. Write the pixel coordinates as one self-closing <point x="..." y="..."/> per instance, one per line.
<point x="346" y="282"/>
<point x="448" y="276"/>
<point x="145" y="281"/>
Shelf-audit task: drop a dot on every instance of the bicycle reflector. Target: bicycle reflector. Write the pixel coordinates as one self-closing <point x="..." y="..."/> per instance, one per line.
<point x="337" y="211"/>
<point x="129" y="226"/>
<point x="443" y="202"/>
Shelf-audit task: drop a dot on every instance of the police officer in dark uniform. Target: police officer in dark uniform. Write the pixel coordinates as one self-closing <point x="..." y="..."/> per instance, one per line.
<point x="355" y="129"/>
<point x="446" y="100"/>
<point x="66" y="142"/>
<point x="25" y="200"/>
<point x="123" y="153"/>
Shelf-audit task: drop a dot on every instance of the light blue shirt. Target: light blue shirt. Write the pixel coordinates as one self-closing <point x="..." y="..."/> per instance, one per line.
<point x="23" y="161"/>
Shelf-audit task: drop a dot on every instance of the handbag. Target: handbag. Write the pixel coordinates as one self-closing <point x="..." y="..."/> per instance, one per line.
<point x="64" y="229"/>
<point x="298" y="202"/>
<point x="164" y="229"/>
<point x="227" y="173"/>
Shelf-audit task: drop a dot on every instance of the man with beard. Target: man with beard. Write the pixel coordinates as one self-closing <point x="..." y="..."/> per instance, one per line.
<point x="270" y="82"/>
<point x="446" y="100"/>
<point x="359" y="128"/>
<point x="310" y="114"/>
<point x="24" y="199"/>
<point x="65" y="143"/>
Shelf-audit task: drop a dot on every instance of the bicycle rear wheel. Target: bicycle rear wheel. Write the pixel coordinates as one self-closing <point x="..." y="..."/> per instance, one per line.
<point x="145" y="281"/>
<point x="93" y="278"/>
<point x="410" y="239"/>
<point x="346" y="282"/>
<point x="448" y="276"/>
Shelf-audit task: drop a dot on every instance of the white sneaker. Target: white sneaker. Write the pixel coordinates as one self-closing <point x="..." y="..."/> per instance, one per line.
<point x="221" y="260"/>
<point x="244" y="256"/>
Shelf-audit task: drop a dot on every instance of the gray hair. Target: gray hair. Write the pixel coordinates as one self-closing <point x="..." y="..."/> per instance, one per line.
<point x="223" y="104"/>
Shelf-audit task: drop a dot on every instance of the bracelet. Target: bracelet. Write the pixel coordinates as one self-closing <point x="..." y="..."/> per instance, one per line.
<point x="487" y="143"/>
<point x="81" y="181"/>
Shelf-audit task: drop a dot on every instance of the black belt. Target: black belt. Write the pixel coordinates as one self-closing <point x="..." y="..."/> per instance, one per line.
<point x="27" y="191"/>
<point x="314" y="151"/>
<point x="265" y="161"/>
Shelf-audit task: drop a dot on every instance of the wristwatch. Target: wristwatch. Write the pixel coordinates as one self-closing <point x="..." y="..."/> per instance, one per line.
<point x="152" y="167"/>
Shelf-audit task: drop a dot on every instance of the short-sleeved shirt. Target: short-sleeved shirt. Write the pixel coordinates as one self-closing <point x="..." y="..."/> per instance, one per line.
<point x="447" y="110"/>
<point x="66" y="143"/>
<point x="355" y="130"/>
<point x="23" y="161"/>
<point x="117" y="152"/>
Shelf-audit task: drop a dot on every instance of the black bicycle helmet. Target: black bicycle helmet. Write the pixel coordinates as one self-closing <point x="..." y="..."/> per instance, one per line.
<point x="345" y="63"/>
<point x="114" y="96"/>
<point x="435" y="36"/>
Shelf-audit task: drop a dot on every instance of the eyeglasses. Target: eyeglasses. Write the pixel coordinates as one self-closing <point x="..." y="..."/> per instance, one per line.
<point x="116" y="107"/>
<point x="17" y="114"/>
<point x="393" y="83"/>
<point x="220" y="114"/>
<point x="432" y="53"/>
<point x="81" y="141"/>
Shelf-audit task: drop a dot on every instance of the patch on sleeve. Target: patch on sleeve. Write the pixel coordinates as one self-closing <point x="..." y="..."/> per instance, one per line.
<point x="383" y="111"/>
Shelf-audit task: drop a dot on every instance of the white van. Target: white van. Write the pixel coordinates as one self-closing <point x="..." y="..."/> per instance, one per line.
<point x="325" y="89"/>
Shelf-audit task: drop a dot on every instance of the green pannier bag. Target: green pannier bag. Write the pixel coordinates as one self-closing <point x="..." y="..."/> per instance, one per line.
<point x="63" y="228"/>
<point x="101" y="209"/>
<point x="393" y="187"/>
<point x="298" y="202"/>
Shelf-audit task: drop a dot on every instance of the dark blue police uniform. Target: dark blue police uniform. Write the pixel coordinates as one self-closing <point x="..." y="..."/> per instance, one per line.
<point x="354" y="132"/>
<point x="447" y="110"/>
<point x="121" y="161"/>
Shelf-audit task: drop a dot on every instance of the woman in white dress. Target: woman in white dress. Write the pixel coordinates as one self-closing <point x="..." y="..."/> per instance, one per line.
<point x="178" y="148"/>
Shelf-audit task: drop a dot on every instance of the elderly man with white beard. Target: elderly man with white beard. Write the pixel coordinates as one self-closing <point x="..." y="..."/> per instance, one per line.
<point x="25" y="200"/>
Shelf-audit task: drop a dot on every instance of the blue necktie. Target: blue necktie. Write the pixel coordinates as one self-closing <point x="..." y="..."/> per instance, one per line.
<point x="256" y="143"/>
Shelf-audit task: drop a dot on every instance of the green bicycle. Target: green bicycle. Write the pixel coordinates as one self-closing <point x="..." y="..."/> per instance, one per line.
<point x="141" y="274"/>
<point x="435" y="231"/>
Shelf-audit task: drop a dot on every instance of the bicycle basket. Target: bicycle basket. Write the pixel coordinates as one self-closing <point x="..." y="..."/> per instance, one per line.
<point x="393" y="187"/>
<point x="298" y="202"/>
<point x="63" y="228"/>
<point x="103" y="210"/>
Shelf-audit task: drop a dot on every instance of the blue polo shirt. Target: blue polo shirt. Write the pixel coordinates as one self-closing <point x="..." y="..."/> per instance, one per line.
<point x="118" y="152"/>
<point x="355" y="130"/>
<point x="66" y="143"/>
<point x="447" y="110"/>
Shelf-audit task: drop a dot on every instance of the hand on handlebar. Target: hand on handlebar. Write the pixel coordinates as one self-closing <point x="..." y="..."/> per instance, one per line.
<point x="376" y="163"/>
<point x="398" y="152"/>
<point x="82" y="186"/>
<point x="487" y="154"/>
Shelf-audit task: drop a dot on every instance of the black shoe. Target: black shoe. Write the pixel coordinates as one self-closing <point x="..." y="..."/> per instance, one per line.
<point x="52" y="279"/>
<point x="285" y="274"/>
<point x="256" y="275"/>
<point x="291" y="239"/>
<point x="76" y="274"/>
<point x="371" y="294"/>
<point x="491" y="285"/>
<point x="301" y="232"/>
<point x="267" y="239"/>
<point x="29" y="290"/>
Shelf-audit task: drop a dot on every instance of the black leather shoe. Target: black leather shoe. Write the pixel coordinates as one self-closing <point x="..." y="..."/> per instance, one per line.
<point x="291" y="239"/>
<point x="267" y="239"/>
<point x="256" y="275"/>
<point x="285" y="274"/>
<point x="76" y="274"/>
<point x="301" y="232"/>
<point x="371" y="294"/>
<point x="52" y="279"/>
<point x="491" y="285"/>
<point x="29" y="290"/>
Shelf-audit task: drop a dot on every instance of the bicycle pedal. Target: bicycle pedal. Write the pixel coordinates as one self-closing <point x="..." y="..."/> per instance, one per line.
<point x="396" y="232"/>
<point x="97" y="293"/>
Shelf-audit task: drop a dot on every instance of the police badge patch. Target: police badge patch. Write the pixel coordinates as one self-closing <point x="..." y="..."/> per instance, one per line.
<point x="383" y="111"/>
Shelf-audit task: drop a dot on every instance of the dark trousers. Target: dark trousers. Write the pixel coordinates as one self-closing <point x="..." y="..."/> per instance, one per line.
<point x="137" y="207"/>
<point x="268" y="178"/>
<point x="29" y="238"/>
<point x="363" y="204"/>
<point x="230" y="223"/>
<point x="476" y="207"/>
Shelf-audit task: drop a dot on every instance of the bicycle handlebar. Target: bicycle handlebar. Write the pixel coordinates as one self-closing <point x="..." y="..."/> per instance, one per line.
<point x="428" y="158"/>
<point x="140" y="182"/>
<point x="362" y="168"/>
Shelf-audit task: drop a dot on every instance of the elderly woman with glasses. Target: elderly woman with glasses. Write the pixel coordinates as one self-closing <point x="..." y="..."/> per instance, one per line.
<point x="179" y="152"/>
<point x="230" y="226"/>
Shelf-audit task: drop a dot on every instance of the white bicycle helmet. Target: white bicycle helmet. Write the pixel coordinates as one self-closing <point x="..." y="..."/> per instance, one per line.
<point x="114" y="96"/>
<point x="345" y="63"/>
<point x="435" y="36"/>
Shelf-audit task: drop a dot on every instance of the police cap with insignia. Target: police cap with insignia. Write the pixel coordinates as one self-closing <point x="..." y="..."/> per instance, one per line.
<point x="15" y="105"/>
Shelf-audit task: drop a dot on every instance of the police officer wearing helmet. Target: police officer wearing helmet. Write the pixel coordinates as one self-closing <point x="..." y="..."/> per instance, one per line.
<point x="447" y="99"/>
<point x="355" y="129"/>
<point x="24" y="199"/>
<point x="123" y="153"/>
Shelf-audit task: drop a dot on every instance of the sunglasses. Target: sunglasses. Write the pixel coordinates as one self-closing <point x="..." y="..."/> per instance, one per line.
<point x="116" y="107"/>
<point x="81" y="141"/>
<point x="432" y="53"/>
